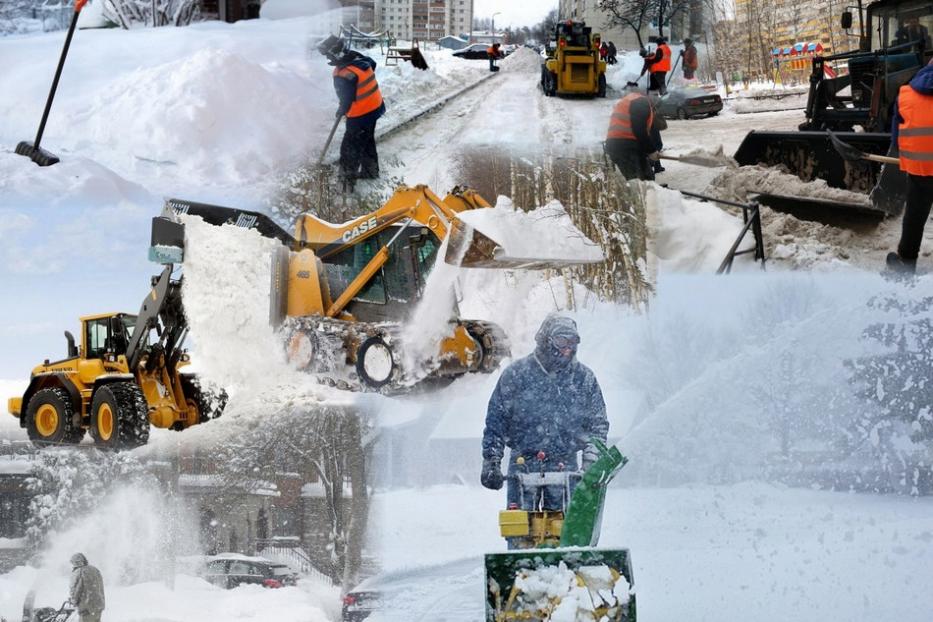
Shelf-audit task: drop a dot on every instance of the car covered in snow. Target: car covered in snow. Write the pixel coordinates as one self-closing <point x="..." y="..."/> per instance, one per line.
<point x="230" y="570"/>
<point x="688" y="103"/>
<point x="476" y="51"/>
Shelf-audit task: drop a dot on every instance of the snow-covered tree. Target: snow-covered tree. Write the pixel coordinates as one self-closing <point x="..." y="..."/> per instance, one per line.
<point x="133" y="13"/>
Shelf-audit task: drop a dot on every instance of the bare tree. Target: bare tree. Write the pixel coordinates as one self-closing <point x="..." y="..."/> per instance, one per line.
<point x="130" y="13"/>
<point x="634" y="14"/>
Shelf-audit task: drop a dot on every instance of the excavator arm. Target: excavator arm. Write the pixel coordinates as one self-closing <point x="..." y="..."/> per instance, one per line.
<point x="161" y="310"/>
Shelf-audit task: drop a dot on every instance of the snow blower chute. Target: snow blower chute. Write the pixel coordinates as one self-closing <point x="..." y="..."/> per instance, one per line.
<point x="556" y="570"/>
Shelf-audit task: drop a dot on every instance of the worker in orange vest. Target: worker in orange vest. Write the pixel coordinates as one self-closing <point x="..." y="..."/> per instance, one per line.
<point x="360" y="101"/>
<point x="658" y="64"/>
<point x="494" y="53"/>
<point x="629" y="142"/>
<point x="912" y="131"/>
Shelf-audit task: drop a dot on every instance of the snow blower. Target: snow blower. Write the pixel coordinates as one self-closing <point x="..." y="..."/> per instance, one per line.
<point x="45" y="614"/>
<point x="32" y="150"/>
<point x="556" y="573"/>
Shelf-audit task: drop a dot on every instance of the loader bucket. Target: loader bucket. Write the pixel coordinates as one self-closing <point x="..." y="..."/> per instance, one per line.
<point x="514" y="583"/>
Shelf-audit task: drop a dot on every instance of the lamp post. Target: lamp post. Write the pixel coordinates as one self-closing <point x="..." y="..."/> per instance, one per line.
<point x="494" y="25"/>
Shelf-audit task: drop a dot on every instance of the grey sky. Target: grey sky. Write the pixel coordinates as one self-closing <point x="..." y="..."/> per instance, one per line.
<point x="514" y="12"/>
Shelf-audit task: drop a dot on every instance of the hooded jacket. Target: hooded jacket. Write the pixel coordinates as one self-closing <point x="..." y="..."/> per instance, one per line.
<point x="540" y="405"/>
<point x="922" y="82"/>
<point x="87" y="586"/>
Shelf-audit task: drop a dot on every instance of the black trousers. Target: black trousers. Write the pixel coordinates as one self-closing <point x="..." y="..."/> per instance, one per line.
<point x="358" y="157"/>
<point x="629" y="158"/>
<point x="916" y="213"/>
<point x="657" y="82"/>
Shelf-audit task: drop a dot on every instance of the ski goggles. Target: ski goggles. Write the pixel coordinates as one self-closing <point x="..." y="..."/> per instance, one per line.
<point x="562" y="342"/>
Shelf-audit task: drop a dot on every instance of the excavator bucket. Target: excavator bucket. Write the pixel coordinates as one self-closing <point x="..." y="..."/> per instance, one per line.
<point x="469" y="247"/>
<point x="534" y="584"/>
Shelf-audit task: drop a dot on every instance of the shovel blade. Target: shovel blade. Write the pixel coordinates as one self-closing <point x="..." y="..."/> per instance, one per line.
<point x="37" y="154"/>
<point x="606" y="573"/>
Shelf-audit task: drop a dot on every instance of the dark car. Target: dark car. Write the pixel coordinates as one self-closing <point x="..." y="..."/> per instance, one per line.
<point x="230" y="571"/>
<point x="689" y="103"/>
<point x="358" y="604"/>
<point x="473" y="52"/>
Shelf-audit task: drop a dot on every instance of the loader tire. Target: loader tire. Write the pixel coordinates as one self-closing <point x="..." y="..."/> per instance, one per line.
<point x="375" y="363"/>
<point x="119" y="416"/>
<point x="209" y="404"/>
<point x="51" y="418"/>
<point x="601" y="87"/>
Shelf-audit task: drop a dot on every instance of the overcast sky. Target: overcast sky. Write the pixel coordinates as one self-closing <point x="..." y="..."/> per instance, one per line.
<point x="514" y="12"/>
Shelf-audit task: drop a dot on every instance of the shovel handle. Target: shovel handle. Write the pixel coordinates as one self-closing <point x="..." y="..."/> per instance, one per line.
<point x="79" y="4"/>
<point x="330" y="137"/>
<point x="881" y="158"/>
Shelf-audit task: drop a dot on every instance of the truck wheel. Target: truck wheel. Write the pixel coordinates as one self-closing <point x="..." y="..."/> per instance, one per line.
<point x="50" y="418"/>
<point x="545" y="88"/>
<point x="375" y="363"/>
<point x="119" y="416"/>
<point x="552" y="83"/>
<point x="601" y="89"/>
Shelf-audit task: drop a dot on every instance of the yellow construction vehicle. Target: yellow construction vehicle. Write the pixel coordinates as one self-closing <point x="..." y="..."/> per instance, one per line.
<point x="341" y="293"/>
<point x="573" y="66"/>
<point x="117" y="383"/>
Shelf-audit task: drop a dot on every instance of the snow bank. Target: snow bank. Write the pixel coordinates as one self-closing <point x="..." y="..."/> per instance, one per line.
<point x="199" y="112"/>
<point x="689" y="235"/>
<point x="522" y="60"/>
<point x="9" y="425"/>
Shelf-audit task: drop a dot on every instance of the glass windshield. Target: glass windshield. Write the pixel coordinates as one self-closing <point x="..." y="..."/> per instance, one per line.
<point x="906" y="23"/>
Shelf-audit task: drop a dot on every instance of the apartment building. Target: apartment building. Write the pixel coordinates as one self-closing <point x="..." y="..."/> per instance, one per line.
<point x="425" y="20"/>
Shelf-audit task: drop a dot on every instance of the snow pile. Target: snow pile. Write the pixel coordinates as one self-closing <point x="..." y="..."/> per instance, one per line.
<point x="736" y="185"/>
<point x="626" y="70"/>
<point x="689" y="235"/>
<point x="522" y="60"/>
<point x="554" y="591"/>
<point x="545" y="232"/>
<point x="199" y="112"/>
<point x="704" y="157"/>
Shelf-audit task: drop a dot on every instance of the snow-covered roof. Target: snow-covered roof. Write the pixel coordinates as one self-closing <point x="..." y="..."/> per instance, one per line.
<point x="315" y="490"/>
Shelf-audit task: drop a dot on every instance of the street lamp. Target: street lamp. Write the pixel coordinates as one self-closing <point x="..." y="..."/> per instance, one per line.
<point x="494" y="25"/>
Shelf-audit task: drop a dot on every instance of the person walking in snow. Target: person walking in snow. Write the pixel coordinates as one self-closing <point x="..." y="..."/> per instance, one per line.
<point x="912" y="132"/>
<point x="611" y="57"/>
<point x="87" y="589"/>
<point x="361" y="103"/>
<point x="632" y="142"/>
<point x="545" y="402"/>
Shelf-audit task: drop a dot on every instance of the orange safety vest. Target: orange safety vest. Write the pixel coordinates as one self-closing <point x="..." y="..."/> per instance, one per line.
<point x="368" y="96"/>
<point x="620" y="123"/>
<point x="915" y="134"/>
<point x="665" y="63"/>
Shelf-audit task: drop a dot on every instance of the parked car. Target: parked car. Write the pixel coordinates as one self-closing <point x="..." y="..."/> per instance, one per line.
<point x="473" y="52"/>
<point x="688" y="103"/>
<point x="358" y="604"/>
<point x="230" y="570"/>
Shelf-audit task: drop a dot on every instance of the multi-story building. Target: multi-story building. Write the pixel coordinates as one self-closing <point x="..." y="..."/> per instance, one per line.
<point x="360" y="13"/>
<point x="425" y="20"/>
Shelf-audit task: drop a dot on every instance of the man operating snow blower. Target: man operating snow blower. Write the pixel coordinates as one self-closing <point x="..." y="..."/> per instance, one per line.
<point x="547" y="402"/>
<point x="87" y="589"/>
<point x="546" y="408"/>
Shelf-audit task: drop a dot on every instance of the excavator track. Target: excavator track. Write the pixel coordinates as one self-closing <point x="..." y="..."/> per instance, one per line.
<point x="331" y="350"/>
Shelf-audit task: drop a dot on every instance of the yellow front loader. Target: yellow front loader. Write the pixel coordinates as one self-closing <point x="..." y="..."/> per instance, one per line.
<point x="126" y="374"/>
<point x="342" y="293"/>
<point x="573" y="65"/>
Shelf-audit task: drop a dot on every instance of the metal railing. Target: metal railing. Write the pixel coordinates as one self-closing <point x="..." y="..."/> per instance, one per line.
<point x="751" y="217"/>
<point x="291" y="552"/>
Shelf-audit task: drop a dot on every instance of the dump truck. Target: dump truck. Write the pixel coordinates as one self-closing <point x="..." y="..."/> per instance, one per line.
<point x="573" y="66"/>
<point x="856" y="105"/>
<point x="554" y="544"/>
<point x="340" y="294"/>
<point x="127" y="373"/>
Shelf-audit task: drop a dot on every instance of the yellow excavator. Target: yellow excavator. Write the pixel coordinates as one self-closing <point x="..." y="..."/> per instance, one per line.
<point x="127" y="373"/>
<point x="573" y="65"/>
<point x="342" y="293"/>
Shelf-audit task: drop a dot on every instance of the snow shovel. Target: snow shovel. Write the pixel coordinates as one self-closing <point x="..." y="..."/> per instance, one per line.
<point x="32" y="150"/>
<point x="330" y="138"/>
<point x="707" y="161"/>
<point x="890" y="193"/>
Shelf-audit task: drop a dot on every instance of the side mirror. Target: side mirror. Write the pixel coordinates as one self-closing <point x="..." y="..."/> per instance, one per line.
<point x="846" y="20"/>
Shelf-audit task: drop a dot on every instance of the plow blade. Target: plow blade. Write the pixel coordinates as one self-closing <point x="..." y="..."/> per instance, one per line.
<point x="541" y="584"/>
<point x="810" y="155"/>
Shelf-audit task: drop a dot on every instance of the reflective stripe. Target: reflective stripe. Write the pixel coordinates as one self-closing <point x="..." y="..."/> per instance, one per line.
<point x="372" y="90"/>
<point x="621" y="117"/>
<point x="917" y="155"/>
<point x="916" y="131"/>
<point x="371" y="78"/>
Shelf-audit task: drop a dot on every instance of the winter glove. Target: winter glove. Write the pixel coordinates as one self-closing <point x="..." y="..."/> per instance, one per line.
<point x="491" y="477"/>
<point x="590" y="455"/>
<point x="654" y="156"/>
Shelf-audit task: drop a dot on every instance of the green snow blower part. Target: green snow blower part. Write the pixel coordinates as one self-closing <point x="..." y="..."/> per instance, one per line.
<point x="606" y="574"/>
<point x="32" y="150"/>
